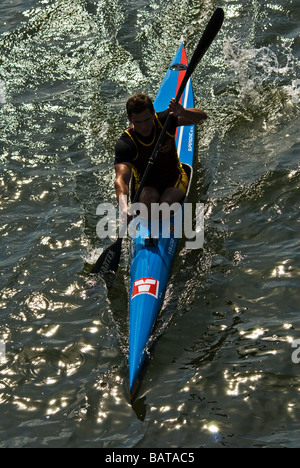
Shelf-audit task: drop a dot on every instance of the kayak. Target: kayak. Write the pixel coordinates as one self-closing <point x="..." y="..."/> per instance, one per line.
<point x="152" y="258"/>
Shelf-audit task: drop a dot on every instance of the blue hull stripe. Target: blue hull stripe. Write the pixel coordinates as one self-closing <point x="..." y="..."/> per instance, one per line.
<point x="150" y="266"/>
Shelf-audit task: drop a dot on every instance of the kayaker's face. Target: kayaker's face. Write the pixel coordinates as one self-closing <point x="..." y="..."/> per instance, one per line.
<point x="143" y="122"/>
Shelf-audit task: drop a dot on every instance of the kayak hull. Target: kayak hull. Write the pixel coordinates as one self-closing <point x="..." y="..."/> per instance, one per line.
<point x="152" y="259"/>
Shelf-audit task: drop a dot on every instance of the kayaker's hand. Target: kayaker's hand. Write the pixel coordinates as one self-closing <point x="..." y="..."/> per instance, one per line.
<point x="175" y="108"/>
<point x="186" y="116"/>
<point x="126" y="216"/>
<point x="129" y="216"/>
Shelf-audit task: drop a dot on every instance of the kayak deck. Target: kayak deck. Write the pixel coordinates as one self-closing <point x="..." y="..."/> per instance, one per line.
<point x="152" y="259"/>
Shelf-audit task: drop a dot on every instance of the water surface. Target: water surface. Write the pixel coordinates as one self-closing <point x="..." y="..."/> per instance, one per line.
<point x="222" y="373"/>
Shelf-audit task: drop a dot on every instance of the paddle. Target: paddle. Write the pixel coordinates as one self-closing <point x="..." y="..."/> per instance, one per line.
<point x="110" y="258"/>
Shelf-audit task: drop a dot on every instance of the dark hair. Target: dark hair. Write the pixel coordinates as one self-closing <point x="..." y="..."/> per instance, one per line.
<point x="139" y="103"/>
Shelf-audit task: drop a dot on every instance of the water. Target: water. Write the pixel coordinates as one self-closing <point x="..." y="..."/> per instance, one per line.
<point x="222" y="374"/>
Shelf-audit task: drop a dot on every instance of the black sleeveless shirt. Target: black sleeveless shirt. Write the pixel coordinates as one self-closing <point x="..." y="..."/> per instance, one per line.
<point x="136" y="150"/>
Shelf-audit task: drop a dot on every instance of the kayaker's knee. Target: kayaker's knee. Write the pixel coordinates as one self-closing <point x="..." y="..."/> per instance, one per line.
<point x="149" y="196"/>
<point x="172" y="195"/>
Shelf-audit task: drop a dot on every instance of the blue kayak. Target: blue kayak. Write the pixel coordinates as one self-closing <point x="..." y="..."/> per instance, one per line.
<point x="151" y="262"/>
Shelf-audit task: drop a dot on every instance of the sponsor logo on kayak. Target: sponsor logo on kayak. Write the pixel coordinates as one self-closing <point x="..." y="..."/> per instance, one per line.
<point x="145" y="286"/>
<point x="191" y="140"/>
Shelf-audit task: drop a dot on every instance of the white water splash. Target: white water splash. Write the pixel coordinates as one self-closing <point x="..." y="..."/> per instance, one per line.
<point x="257" y="68"/>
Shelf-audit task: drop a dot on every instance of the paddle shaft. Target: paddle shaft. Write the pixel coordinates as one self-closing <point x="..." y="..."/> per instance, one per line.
<point x="110" y="258"/>
<point x="209" y="35"/>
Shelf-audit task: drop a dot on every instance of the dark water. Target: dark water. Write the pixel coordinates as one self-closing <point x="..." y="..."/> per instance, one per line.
<point x="222" y="374"/>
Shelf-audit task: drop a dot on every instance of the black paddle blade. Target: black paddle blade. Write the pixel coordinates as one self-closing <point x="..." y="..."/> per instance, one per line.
<point x="209" y="35"/>
<point x="205" y="42"/>
<point x="109" y="260"/>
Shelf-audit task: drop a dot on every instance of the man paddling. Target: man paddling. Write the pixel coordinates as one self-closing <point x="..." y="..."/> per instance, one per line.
<point x="168" y="181"/>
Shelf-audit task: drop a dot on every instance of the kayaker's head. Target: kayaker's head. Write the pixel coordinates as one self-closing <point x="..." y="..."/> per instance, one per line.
<point x="140" y="112"/>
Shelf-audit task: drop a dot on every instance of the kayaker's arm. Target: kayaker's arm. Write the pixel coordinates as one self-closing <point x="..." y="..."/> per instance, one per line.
<point x="122" y="181"/>
<point x="186" y="116"/>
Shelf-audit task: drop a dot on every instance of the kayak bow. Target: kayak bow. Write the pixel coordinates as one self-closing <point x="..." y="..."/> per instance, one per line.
<point x="151" y="261"/>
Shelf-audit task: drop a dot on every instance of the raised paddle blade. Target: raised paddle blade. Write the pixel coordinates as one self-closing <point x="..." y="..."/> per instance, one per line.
<point x="109" y="260"/>
<point x="207" y="38"/>
<point x="205" y="42"/>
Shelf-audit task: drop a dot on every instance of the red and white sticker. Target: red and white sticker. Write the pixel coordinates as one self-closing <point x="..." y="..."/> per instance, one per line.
<point x="145" y="286"/>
